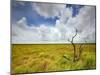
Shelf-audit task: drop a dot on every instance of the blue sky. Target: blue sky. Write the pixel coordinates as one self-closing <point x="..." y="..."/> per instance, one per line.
<point x="34" y="22"/>
<point x="33" y="18"/>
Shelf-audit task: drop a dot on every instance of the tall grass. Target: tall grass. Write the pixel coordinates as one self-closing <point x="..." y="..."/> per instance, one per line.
<point x="47" y="58"/>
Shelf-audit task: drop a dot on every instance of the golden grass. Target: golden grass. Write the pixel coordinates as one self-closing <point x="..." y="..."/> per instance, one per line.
<point x="50" y="57"/>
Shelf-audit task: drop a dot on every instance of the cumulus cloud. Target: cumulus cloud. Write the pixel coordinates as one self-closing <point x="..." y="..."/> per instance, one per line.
<point x="84" y="22"/>
<point x="64" y="28"/>
<point x="48" y="10"/>
<point x="22" y="33"/>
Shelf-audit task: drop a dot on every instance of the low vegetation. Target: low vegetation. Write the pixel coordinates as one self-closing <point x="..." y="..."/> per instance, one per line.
<point x="31" y="58"/>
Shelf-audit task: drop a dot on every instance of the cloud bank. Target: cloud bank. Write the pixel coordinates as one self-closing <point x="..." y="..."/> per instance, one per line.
<point x="64" y="28"/>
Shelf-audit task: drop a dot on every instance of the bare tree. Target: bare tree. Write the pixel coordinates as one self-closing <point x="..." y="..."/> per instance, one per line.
<point x="74" y="47"/>
<point x="76" y="56"/>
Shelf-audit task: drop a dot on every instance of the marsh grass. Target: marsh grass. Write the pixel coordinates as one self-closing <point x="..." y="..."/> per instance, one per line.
<point x="51" y="57"/>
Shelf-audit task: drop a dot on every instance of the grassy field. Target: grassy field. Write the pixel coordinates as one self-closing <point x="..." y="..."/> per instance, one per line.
<point x="51" y="57"/>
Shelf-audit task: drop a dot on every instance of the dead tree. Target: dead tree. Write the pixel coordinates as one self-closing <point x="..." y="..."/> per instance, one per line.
<point x="74" y="47"/>
<point x="75" y="56"/>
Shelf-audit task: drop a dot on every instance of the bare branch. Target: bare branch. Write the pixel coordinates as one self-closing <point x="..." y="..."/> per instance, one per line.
<point x="74" y="45"/>
<point x="69" y="40"/>
<point x="74" y="35"/>
<point x="75" y="56"/>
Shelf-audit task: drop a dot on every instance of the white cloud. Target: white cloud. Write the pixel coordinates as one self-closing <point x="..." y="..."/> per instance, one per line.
<point x="22" y="33"/>
<point x="62" y="31"/>
<point x="84" y="22"/>
<point x="48" y="10"/>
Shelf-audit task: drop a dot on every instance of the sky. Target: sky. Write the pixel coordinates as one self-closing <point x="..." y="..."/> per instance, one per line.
<point x="34" y="22"/>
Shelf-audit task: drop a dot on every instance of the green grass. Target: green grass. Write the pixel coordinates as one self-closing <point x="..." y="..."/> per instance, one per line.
<point x="51" y="57"/>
